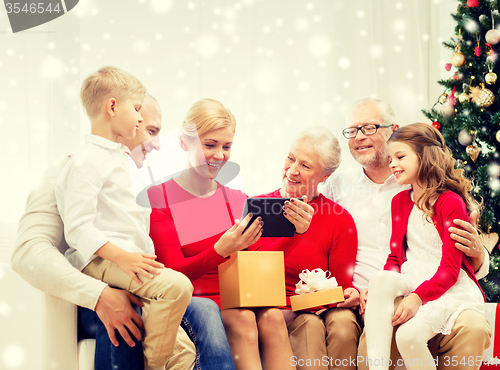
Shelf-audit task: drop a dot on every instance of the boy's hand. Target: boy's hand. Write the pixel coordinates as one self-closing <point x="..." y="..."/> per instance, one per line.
<point x="363" y="296"/>
<point x="138" y="264"/>
<point x="406" y="309"/>
<point x="131" y="263"/>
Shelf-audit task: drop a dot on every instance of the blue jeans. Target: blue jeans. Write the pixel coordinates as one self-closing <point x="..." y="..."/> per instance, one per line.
<point x="107" y="356"/>
<point x="202" y="322"/>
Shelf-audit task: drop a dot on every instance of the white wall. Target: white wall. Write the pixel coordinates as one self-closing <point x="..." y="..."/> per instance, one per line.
<point x="279" y="65"/>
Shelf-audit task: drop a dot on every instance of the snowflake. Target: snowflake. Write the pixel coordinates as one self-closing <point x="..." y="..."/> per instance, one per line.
<point x="14" y="356"/>
<point x="344" y="63"/>
<point x="494" y="169"/>
<point x="471" y="26"/>
<point x="399" y="25"/>
<point x="52" y="68"/>
<point x="319" y="45"/>
<point x="161" y="6"/>
<point x="494" y="184"/>
<point x="376" y="51"/>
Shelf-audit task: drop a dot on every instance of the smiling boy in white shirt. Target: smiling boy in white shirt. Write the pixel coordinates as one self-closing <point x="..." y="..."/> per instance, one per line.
<point x="104" y="227"/>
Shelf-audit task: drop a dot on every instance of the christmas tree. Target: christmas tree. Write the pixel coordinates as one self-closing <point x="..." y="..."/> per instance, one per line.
<point x="468" y="115"/>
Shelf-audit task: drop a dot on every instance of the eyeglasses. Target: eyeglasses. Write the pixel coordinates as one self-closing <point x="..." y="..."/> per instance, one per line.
<point x="351" y="132"/>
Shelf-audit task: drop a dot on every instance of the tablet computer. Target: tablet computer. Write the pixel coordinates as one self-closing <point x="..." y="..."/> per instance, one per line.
<point x="271" y="211"/>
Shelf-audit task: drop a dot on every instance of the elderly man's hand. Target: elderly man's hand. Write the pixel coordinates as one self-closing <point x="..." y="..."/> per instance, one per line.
<point x="351" y="296"/>
<point x="363" y="296"/>
<point x="467" y="239"/>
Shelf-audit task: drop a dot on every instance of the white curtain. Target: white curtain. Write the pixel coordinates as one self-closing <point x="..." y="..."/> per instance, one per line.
<point x="279" y="65"/>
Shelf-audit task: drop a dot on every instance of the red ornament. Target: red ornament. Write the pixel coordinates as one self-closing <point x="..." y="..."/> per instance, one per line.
<point x="477" y="50"/>
<point x="472" y="3"/>
<point x="447" y="66"/>
<point x="451" y="99"/>
<point x="436" y="125"/>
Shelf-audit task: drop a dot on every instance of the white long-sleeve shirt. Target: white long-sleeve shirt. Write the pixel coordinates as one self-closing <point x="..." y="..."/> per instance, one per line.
<point x="96" y="203"/>
<point x="370" y="206"/>
<point x="40" y="246"/>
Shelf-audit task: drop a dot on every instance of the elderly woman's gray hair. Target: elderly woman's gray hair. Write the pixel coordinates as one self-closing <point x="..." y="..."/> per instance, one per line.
<point x="325" y="145"/>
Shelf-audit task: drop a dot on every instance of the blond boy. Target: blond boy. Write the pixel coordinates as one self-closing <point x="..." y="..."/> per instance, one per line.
<point x="106" y="230"/>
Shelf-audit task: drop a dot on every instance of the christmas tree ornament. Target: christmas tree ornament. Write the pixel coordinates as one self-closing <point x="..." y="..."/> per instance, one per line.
<point x="493" y="36"/>
<point x="498" y="136"/>
<point x="490" y="78"/>
<point x="473" y="151"/>
<point x="477" y="49"/>
<point x="451" y="98"/>
<point x="442" y="98"/>
<point x="489" y="240"/>
<point x="458" y="59"/>
<point x="464" y="138"/>
<point x="482" y="96"/>
<point x="492" y="56"/>
<point x="447" y="66"/>
<point x="463" y="97"/>
<point x="447" y="109"/>
<point x="436" y="125"/>
<point x="472" y="3"/>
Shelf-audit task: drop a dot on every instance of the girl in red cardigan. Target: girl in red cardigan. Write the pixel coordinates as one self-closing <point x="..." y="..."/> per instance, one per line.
<point x="436" y="280"/>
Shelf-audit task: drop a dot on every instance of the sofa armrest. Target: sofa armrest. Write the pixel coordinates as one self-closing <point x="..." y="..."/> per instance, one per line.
<point x="41" y="328"/>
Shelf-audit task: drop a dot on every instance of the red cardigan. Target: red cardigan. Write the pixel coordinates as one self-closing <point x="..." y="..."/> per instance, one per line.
<point x="449" y="206"/>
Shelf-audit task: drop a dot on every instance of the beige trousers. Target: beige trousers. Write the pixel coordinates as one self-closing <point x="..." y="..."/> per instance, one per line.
<point x="165" y="297"/>
<point x="184" y="354"/>
<point x="326" y="341"/>
<point x="469" y="338"/>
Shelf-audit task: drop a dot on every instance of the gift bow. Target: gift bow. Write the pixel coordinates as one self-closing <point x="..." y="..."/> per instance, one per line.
<point x="315" y="280"/>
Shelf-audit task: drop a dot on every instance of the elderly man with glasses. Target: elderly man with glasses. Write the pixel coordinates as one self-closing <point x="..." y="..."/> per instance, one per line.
<point x="366" y="192"/>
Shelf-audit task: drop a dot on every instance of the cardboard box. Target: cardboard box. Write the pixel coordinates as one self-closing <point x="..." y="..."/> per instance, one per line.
<point x="315" y="299"/>
<point x="253" y="279"/>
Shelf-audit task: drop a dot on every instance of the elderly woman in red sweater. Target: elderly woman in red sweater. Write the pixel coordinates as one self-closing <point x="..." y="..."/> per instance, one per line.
<point x="189" y="219"/>
<point x="330" y="244"/>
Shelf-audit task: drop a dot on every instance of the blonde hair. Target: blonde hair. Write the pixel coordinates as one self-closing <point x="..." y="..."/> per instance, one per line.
<point x="325" y="144"/>
<point x="436" y="170"/>
<point x="108" y="82"/>
<point x="206" y="115"/>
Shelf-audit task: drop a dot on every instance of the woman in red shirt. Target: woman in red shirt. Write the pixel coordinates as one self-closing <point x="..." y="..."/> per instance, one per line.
<point x="189" y="219"/>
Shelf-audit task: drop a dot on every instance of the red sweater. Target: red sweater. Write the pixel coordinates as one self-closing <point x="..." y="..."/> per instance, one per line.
<point x="330" y="243"/>
<point x="185" y="228"/>
<point x="449" y="206"/>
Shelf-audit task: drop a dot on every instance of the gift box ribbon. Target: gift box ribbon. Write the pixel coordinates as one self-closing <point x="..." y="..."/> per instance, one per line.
<point x="315" y="280"/>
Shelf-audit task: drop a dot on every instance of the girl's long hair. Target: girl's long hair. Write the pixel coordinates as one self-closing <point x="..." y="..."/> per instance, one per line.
<point x="437" y="172"/>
